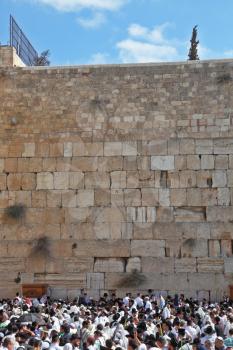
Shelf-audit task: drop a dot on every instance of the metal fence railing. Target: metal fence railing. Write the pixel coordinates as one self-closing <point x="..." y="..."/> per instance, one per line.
<point x="23" y="47"/>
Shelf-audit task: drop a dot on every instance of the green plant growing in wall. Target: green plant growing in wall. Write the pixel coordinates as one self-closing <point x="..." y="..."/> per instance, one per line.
<point x="134" y="279"/>
<point x="16" y="211"/>
<point x="224" y="78"/>
<point x="41" y="247"/>
<point x="18" y="278"/>
<point x="193" y="52"/>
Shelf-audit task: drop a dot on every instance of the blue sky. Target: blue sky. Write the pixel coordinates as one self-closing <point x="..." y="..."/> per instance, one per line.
<point x="121" y="31"/>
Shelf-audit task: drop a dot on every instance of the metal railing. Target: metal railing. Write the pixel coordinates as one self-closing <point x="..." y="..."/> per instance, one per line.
<point x="23" y="47"/>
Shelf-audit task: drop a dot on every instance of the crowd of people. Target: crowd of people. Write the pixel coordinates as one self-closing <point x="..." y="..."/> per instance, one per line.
<point x="142" y="322"/>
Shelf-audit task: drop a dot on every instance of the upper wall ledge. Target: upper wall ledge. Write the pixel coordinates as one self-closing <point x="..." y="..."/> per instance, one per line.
<point x="196" y="64"/>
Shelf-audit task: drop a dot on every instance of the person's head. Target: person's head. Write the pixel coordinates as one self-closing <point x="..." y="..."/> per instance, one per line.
<point x="37" y="344"/>
<point x="55" y="339"/>
<point x="132" y="344"/>
<point x="8" y="343"/>
<point x="231" y="332"/>
<point x="75" y="340"/>
<point x="109" y="343"/>
<point x="219" y="343"/>
<point x="90" y="340"/>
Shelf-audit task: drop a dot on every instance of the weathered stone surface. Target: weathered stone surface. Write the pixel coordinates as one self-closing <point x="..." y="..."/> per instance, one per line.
<point x="162" y="163"/>
<point x="109" y="265"/>
<point x="133" y="264"/>
<point x="148" y="248"/>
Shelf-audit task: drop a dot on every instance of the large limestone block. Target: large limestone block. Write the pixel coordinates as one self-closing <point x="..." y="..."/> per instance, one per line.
<point x="190" y="214"/>
<point x="107" y="230"/>
<point x="207" y="162"/>
<point x="185" y="265"/>
<point x="223" y="146"/>
<point x="158" y="265"/>
<point x="95" y="280"/>
<point x="118" y="179"/>
<point x="84" y="164"/>
<point x="76" y="180"/>
<point x="112" y="214"/>
<point x="110" y="163"/>
<point x="133" y="264"/>
<point x="85" y="198"/>
<point x="129" y="148"/>
<point x="130" y="163"/>
<point x="214" y="248"/>
<point x="221" y="161"/>
<point x="45" y="181"/>
<point x="109" y="265"/>
<point x="143" y="231"/>
<point x="61" y="181"/>
<point x="226" y="248"/>
<point x="12" y="264"/>
<point x="10" y="165"/>
<point x="2" y="182"/>
<point x="154" y="248"/>
<point x="19" y="249"/>
<point x="209" y="196"/>
<point x="29" y="150"/>
<point x="223" y="214"/>
<point x="219" y="178"/>
<point x="102" y="197"/>
<point x="173" y="247"/>
<point x="28" y="181"/>
<point x="193" y="162"/>
<point x="13" y="182"/>
<point x="56" y="150"/>
<point x="230" y="177"/>
<point x="187" y="179"/>
<point x="194" y="248"/>
<point x="155" y="147"/>
<point x="164" y="214"/>
<point x="221" y="230"/>
<point x="69" y="199"/>
<point x="117" y="198"/>
<point x="60" y="248"/>
<point x="97" y="180"/>
<point x="228" y="265"/>
<point x="203" y="281"/>
<point x="78" y="264"/>
<point x="68" y="149"/>
<point x="103" y="248"/>
<point x="150" y="196"/>
<point x="178" y="197"/>
<point x="77" y="215"/>
<point x="162" y="163"/>
<point x="132" y="197"/>
<point x="112" y="149"/>
<point x="77" y="280"/>
<point x="204" y="146"/>
<point x="187" y="146"/>
<point x="164" y="197"/>
<point x="223" y="196"/>
<point x="210" y="265"/>
<point x="88" y="149"/>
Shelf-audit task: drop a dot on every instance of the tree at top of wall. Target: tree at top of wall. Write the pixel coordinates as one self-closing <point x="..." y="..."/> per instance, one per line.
<point x="193" y="52"/>
<point x="43" y="59"/>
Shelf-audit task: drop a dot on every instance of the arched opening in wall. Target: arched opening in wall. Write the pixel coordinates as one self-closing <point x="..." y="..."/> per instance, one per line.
<point x="34" y="290"/>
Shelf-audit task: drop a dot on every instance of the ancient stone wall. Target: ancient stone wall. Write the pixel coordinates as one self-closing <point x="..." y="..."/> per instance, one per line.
<point x="120" y="169"/>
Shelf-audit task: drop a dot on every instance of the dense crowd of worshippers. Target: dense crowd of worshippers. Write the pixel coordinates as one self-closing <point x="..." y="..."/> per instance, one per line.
<point x="140" y="322"/>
